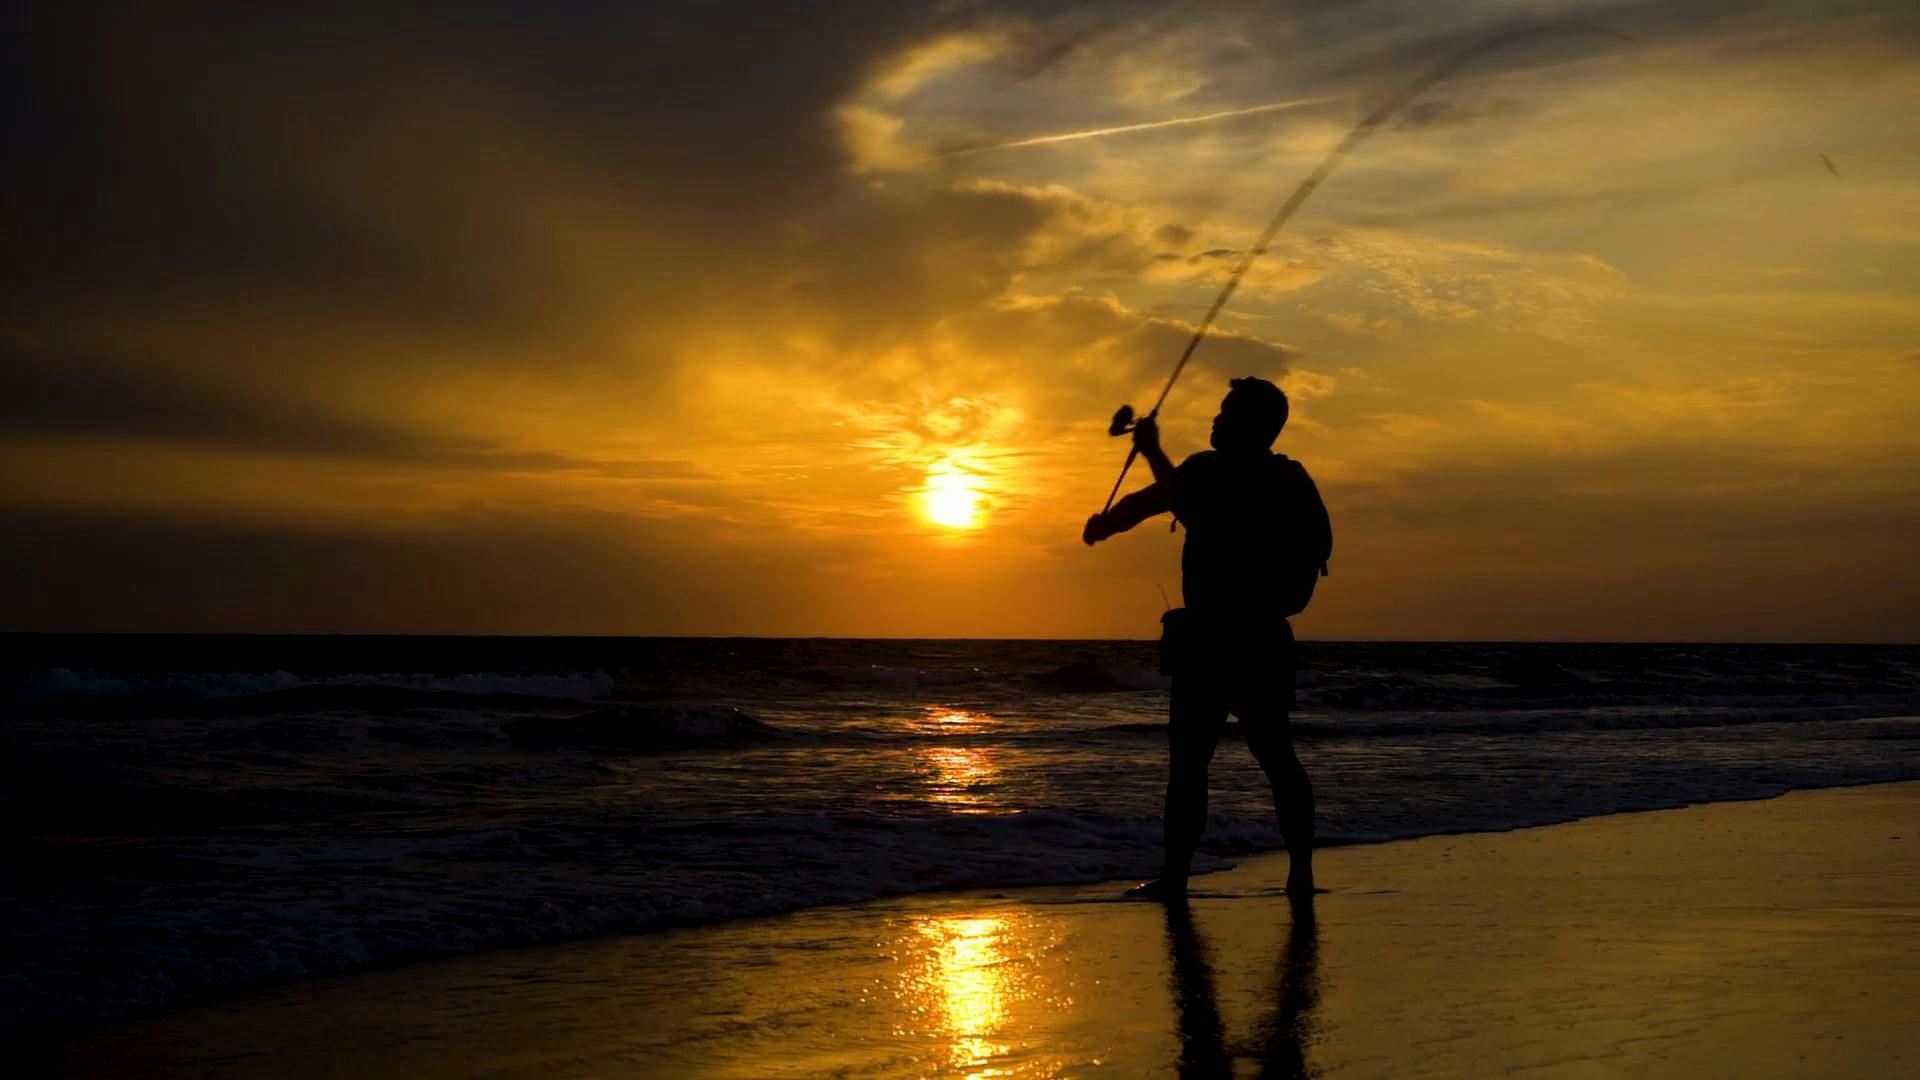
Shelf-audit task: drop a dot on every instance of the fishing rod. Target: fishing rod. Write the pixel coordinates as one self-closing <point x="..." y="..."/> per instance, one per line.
<point x="1123" y="418"/>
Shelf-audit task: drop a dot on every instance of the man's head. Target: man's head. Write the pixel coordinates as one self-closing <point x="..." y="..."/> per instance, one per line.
<point x="1251" y="415"/>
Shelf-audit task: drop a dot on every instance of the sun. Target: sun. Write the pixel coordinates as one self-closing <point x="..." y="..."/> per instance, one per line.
<point x="950" y="498"/>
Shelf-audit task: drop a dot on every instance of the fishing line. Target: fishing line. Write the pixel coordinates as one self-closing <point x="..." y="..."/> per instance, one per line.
<point x="1354" y="137"/>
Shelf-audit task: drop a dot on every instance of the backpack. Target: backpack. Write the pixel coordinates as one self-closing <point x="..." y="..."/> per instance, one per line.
<point x="1264" y="523"/>
<point x="1306" y="537"/>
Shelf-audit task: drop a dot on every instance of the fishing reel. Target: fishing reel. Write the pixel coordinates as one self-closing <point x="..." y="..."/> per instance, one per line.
<point x="1124" y="422"/>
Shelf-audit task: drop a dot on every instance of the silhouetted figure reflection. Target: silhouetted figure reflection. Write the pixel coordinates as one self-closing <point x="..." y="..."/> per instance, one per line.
<point x="1203" y="1038"/>
<point x="1288" y="1028"/>
<point x="1280" y="1043"/>
<point x="1258" y="539"/>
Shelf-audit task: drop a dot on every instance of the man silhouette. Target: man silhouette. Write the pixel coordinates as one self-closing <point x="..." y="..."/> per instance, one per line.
<point x="1257" y="538"/>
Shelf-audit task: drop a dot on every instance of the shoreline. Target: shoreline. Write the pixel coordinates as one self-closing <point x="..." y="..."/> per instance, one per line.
<point x="1064" y="926"/>
<point x="1209" y="864"/>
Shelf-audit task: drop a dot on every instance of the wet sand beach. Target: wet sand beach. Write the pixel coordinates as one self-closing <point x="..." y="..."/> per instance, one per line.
<point x="1777" y="937"/>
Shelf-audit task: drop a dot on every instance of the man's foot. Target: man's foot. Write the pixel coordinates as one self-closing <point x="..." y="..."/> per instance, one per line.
<point x="1162" y="890"/>
<point x="1301" y="888"/>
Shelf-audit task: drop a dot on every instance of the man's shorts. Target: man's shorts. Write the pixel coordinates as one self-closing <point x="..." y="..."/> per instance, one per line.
<point x="1248" y="671"/>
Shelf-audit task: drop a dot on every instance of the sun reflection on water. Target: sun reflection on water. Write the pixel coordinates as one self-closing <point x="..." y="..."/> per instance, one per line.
<point x="957" y="777"/>
<point x="948" y="721"/>
<point x="959" y="772"/>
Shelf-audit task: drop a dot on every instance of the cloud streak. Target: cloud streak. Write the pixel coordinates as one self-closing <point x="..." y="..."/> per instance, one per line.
<point x="1130" y="129"/>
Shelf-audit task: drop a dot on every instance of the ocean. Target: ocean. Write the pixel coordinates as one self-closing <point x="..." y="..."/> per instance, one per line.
<point x="185" y="816"/>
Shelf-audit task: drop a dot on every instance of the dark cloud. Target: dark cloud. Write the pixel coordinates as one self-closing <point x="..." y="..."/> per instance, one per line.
<point x="156" y="398"/>
<point x="890" y="267"/>
<point x="1384" y="211"/>
<point x="1719" y="550"/>
<point x="1066" y="350"/>
<point x="467" y="572"/>
<point x="1174" y="235"/>
<point x="118" y="398"/>
<point x="1454" y="112"/>
<point x="421" y="167"/>
<point x="482" y="571"/>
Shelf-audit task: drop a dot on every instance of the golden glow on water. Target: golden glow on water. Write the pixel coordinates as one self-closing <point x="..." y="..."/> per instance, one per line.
<point x="951" y="497"/>
<point x="946" y="721"/>
<point x="953" y="776"/>
<point x="957" y="771"/>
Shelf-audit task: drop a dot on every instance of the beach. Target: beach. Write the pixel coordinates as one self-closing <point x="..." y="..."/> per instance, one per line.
<point x="1770" y="937"/>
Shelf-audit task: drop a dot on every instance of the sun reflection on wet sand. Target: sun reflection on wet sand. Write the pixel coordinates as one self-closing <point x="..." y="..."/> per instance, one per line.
<point x="968" y="981"/>
<point x="973" y="984"/>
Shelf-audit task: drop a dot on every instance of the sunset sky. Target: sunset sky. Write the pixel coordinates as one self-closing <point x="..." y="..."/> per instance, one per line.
<point x="808" y="318"/>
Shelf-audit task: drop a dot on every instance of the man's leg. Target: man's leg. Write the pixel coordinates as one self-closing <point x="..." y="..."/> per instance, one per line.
<point x="1272" y="746"/>
<point x="1262" y="704"/>
<point x="1195" y="718"/>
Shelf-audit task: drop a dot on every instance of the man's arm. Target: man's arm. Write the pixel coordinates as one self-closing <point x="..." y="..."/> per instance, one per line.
<point x="1130" y="511"/>
<point x="1146" y="439"/>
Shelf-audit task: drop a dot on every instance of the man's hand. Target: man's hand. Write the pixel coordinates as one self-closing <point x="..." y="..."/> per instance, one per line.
<point x="1146" y="436"/>
<point x="1097" y="529"/>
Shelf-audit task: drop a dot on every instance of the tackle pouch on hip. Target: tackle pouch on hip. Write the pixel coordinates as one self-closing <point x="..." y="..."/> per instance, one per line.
<point x="1176" y="641"/>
